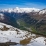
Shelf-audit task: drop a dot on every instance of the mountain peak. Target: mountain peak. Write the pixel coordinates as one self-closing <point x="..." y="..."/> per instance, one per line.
<point x="21" y="10"/>
<point x="43" y="11"/>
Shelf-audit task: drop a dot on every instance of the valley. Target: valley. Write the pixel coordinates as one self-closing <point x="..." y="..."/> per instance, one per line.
<point x="26" y="28"/>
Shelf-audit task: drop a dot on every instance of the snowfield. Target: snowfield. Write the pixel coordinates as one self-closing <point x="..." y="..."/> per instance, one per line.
<point x="12" y="34"/>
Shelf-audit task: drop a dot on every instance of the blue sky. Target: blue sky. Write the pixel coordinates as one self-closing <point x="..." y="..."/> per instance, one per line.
<point x="23" y="3"/>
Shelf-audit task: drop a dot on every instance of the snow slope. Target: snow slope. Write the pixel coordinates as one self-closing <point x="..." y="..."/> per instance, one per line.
<point x="13" y="34"/>
<point x="42" y="11"/>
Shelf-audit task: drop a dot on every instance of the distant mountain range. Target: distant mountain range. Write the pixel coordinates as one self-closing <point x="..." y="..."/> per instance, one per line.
<point x="24" y="17"/>
<point x="20" y="10"/>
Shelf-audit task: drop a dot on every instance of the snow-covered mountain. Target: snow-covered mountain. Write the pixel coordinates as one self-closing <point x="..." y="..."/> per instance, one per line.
<point x="43" y="11"/>
<point x="28" y="15"/>
<point x="31" y="16"/>
<point x="10" y="35"/>
<point x="1" y="16"/>
<point x="21" y="10"/>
